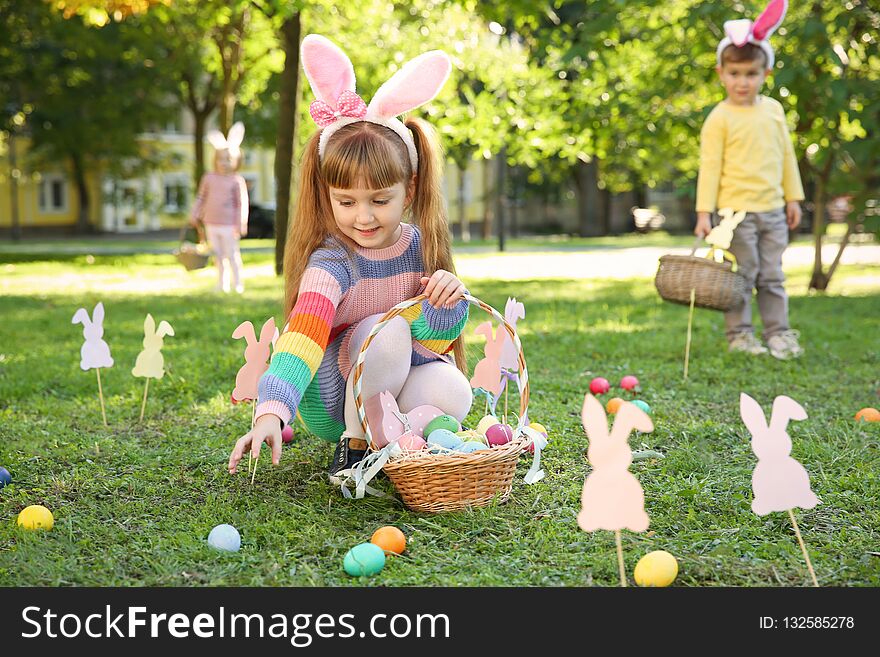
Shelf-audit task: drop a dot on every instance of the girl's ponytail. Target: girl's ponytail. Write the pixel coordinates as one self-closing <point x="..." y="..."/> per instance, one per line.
<point x="429" y="211"/>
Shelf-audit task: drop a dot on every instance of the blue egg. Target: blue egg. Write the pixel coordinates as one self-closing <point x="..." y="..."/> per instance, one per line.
<point x="5" y="477"/>
<point x="444" y="438"/>
<point x="225" y="537"/>
<point x="364" y="560"/>
<point x="471" y="446"/>
<point x="642" y="405"/>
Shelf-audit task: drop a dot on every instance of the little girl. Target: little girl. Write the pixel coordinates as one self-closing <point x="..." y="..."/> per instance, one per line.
<point x="350" y="257"/>
<point x="222" y="204"/>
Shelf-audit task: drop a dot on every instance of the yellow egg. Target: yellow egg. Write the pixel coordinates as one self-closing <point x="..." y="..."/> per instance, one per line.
<point x="658" y="568"/>
<point x="36" y="516"/>
<point x="486" y="422"/>
<point x="540" y="428"/>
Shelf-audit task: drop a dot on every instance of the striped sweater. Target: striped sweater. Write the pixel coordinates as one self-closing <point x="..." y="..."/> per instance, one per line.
<point x="339" y="289"/>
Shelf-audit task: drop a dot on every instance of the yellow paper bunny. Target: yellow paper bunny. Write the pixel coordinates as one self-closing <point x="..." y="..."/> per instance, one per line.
<point x="150" y="362"/>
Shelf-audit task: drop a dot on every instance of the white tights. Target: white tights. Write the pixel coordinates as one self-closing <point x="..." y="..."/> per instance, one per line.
<point x="224" y="243"/>
<point x="387" y="367"/>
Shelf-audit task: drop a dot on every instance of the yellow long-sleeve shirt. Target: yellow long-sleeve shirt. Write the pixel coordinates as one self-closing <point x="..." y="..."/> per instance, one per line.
<point x="747" y="161"/>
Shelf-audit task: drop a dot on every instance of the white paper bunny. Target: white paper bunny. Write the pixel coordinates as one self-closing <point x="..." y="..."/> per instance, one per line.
<point x="612" y="497"/>
<point x="94" y="352"/>
<point x="231" y="143"/>
<point x="150" y="362"/>
<point x="779" y="482"/>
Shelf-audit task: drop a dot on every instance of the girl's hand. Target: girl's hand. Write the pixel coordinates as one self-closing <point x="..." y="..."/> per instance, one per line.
<point x="443" y="288"/>
<point x="268" y="428"/>
<point x="793" y="214"/>
<point x="704" y="224"/>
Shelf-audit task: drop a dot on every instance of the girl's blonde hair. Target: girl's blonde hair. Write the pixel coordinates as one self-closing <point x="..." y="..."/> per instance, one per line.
<point x="370" y="155"/>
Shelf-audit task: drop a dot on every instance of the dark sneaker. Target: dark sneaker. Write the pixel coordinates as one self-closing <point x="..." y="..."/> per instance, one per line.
<point x="345" y="457"/>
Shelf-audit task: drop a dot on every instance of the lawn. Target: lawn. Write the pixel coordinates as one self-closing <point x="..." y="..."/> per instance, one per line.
<point x="134" y="502"/>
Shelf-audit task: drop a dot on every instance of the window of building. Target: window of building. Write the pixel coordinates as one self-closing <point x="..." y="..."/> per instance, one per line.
<point x="52" y="194"/>
<point x="176" y="195"/>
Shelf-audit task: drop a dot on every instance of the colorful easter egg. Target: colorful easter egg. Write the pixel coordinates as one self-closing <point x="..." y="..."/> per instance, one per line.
<point x="629" y="382"/>
<point x="444" y="438"/>
<point x="642" y="405"/>
<point x="390" y="539"/>
<point x="287" y="434"/>
<point x="411" y="442"/>
<point x="36" y="516"/>
<point x="486" y="422"/>
<point x="442" y="422"/>
<point x="599" y="386"/>
<point x="540" y="428"/>
<point x="471" y="446"/>
<point x="364" y="560"/>
<point x="5" y="477"/>
<point x="658" y="568"/>
<point x="613" y="405"/>
<point x="225" y="537"/>
<point x="499" y="434"/>
<point x="868" y="415"/>
<point x="472" y="435"/>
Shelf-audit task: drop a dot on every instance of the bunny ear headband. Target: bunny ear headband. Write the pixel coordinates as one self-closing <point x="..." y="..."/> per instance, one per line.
<point x="331" y="77"/>
<point x="743" y="31"/>
<point x="232" y="142"/>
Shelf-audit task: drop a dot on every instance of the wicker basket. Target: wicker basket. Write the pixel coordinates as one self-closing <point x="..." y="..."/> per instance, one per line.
<point x="434" y="483"/>
<point x="192" y="256"/>
<point x="715" y="284"/>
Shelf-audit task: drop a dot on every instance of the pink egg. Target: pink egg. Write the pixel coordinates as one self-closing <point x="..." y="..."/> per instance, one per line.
<point x="599" y="386"/>
<point x="629" y="382"/>
<point x="499" y="434"/>
<point x="287" y="434"/>
<point x="420" y="416"/>
<point x="411" y="442"/>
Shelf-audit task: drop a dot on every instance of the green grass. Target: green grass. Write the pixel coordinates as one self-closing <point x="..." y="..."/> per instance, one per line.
<point x="134" y="502"/>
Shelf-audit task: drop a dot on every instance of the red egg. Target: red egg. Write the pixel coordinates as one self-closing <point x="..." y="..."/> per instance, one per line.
<point x="599" y="386"/>
<point x="287" y="434"/>
<point x="629" y="382"/>
<point x="499" y="434"/>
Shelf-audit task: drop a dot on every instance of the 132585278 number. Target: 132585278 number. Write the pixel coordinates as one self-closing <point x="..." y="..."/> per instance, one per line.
<point x="818" y="622"/>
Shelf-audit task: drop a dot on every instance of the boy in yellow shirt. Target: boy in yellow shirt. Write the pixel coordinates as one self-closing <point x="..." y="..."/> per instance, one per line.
<point x="747" y="162"/>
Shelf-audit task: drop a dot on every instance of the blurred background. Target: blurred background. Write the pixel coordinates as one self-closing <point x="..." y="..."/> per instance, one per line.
<point x="560" y="118"/>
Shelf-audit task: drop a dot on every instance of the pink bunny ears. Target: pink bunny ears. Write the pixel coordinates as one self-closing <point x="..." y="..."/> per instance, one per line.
<point x="331" y="76"/>
<point x="232" y="142"/>
<point x="743" y="31"/>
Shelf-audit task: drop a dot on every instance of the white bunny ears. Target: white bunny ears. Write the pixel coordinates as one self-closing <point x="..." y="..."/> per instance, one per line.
<point x="743" y="31"/>
<point x="231" y="143"/>
<point x="331" y="76"/>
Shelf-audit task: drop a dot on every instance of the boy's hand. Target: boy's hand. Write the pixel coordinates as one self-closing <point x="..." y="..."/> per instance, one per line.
<point x="793" y="214"/>
<point x="444" y="289"/>
<point x="704" y="224"/>
<point x="268" y="428"/>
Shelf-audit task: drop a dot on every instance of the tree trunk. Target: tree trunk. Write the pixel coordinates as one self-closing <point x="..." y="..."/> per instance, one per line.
<point x="587" y="191"/>
<point x="79" y="176"/>
<point x="462" y="207"/>
<point x="487" y="199"/>
<point x="199" y="120"/>
<point x="819" y="280"/>
<point x="605" y="202"/>
<point x="501" y="173"/>
<point x="291" y="32"/>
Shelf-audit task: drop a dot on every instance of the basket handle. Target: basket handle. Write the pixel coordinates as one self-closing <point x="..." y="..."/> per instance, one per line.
<point x="697" y="243"/>
<point x="200" y="232"/>
<point x="398" y="310"/>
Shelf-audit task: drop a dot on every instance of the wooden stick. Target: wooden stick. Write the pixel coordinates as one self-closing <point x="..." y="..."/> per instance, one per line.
<point x="144" y="404"/>
<point x="505" y="401"/>
<point x="803" y="547"/>
<point x="687" y="349"/>
<point x="101" y="395"/>
<point x="256" y="461"/>
<point x="620" y="558"/>
<point x="250" y="461"/>
<point x="254" y="413"/>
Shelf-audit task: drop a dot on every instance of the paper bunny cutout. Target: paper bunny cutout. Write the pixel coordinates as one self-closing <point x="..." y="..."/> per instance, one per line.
<point x="387" y="423"/>
<point x="231" y="143"/>
<point x="94" y="352"/>
<point x="513" y="312"/>
<point x="487" y="373"/>
<point x="256" y="356"/>
<point x="612" y="497"/>
<point x="743" y="31"/>
<point x="331" y="76"/>
<point x="150" y="362"/>
<point x="722" y="234"/>
<point x="779" y="482"/>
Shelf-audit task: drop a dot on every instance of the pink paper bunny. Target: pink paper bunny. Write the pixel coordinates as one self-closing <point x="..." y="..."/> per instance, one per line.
<point x="256" y="356"/>
<point x="513" y="311"/>
<point x="612" y="497"/>
<point x="779" y="482"/>
<point x="487" y="373"/>
<point x="388" y="423"/>
<point x="150" y="362"/>
<point x="94" y="352"/>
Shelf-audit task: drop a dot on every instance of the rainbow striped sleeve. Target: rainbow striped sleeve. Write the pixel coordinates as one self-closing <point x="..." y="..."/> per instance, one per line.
<point x="435" y="329"/>
<point x="299" y="351"/>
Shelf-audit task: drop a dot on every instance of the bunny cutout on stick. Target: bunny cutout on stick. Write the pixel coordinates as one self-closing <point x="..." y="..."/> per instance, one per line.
<point x="150" y="363"/>
<point x="95" y="352"/>
<point x="230" y="143"/>
<point x="779" y="482"/>
<point x="487" y="373"/>
<point x="256" y="356"/>
<point x="331" y="76"/>
<point x="743" y="31"/>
